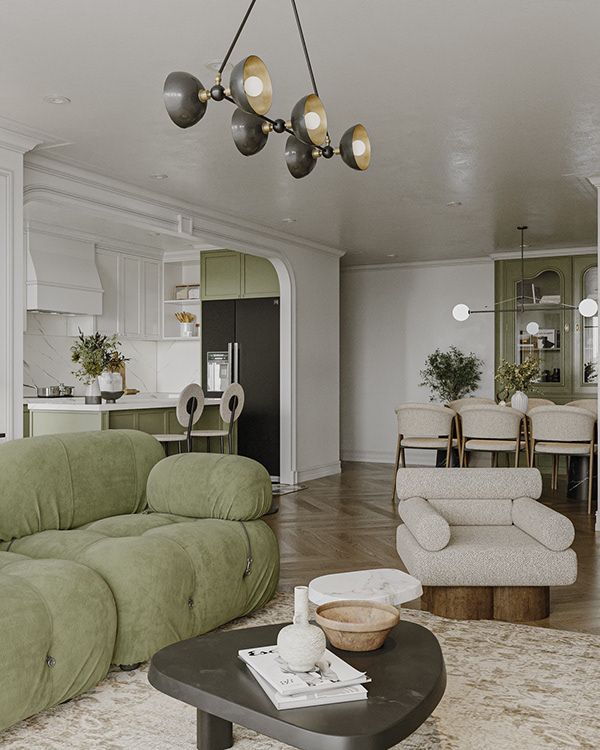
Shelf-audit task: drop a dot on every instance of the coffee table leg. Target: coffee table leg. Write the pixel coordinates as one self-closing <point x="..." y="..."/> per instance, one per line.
<point x="213" y="733"/>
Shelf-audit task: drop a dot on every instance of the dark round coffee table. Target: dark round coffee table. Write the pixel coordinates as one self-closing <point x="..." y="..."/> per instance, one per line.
<point x="408" y="681"/>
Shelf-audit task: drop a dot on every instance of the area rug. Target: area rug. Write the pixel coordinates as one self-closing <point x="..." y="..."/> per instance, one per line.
<point x="510" y="687"/>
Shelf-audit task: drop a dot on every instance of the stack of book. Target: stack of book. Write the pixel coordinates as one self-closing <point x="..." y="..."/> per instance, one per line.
<point x="332" y="680"/>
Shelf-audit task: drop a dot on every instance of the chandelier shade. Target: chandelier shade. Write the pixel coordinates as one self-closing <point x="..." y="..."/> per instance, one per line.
<point x="355" y="147"/>
<point x="309" y="120"/>
<point x="299" y="157"/>
<point x="251" y="87"/>
<point x="248" y="132"/>
<point x="181" y="94"/>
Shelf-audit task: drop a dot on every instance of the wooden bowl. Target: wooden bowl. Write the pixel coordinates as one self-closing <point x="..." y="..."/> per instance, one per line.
<point x="357" y="625"/>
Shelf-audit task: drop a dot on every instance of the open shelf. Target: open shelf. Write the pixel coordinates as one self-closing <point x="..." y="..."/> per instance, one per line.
<point x="179" y="273"/>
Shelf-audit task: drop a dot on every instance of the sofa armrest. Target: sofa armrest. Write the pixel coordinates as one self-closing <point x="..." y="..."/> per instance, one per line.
<point x="430" y="529"/>
<point x="210" y="485"/>
<point x="550" y="528"/>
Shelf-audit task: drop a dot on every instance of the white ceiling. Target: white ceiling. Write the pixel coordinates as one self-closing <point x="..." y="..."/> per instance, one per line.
<point x="492" y="104"/>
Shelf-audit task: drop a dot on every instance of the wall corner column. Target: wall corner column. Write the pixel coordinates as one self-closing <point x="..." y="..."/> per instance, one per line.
<point x="596" y="183"/>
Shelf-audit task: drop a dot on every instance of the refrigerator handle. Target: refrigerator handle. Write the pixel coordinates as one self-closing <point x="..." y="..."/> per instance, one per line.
<point x="236" y="362"/>
<point x="229" y="362"/>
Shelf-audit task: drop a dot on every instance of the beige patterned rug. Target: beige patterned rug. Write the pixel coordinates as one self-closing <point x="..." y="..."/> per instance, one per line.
<point x="510" y="687"/>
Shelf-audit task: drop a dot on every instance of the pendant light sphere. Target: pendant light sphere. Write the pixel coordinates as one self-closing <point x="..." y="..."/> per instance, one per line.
<point x="217" y="93"/>
<point x="532" y="328"/>
<point x="181" y="96"/>
<point x="460" y="312"/>
<point x="251" y="87"/>
<point x="309" y="120"/>
<point x="299" y="157"/>
<point x="279" y="125"/>
<point x="355" y="147"/>
<point x="588" y="307"/>
<point x="247" y="131"/>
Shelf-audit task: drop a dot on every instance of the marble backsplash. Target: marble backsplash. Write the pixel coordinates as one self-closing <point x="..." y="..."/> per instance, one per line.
<point x="163" y="366"/>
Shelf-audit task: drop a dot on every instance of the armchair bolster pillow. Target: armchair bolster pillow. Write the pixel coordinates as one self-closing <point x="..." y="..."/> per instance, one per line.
<point x="430" y="529"/>
<point x="552" y="529"/>
<point x="210" y="485"/>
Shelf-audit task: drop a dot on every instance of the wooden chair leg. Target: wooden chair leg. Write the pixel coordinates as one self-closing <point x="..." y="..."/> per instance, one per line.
<point x="532" y="454"/>
<point x="449" y="450"/>
<point x="554" y="472"/>
<point x="494" y="460"/>
<point x="396" y="465"/>
<point x="590" y="477"/>
<point x="517" y="453"/>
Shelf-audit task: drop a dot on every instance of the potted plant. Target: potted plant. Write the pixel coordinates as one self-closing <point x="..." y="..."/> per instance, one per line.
<point x="451" y="375"/>
<point x="99" y="360"/>
<point x="515" y="379"/>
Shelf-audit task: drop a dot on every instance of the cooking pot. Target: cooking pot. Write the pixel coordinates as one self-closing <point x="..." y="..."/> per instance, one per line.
<point x="52" y="391"/>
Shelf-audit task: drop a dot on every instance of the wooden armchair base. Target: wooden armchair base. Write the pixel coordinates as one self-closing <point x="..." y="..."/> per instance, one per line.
<point x="510" y="603"/>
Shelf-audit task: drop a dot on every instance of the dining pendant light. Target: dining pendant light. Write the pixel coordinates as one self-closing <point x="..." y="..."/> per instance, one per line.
<point x="182" y="94"/>
<point x="355" y="148"/>
<point x="250" y="86"/>
<point x="300" y="157"/>
<point x="248" y="132"/>
<point x="309" y="120"/>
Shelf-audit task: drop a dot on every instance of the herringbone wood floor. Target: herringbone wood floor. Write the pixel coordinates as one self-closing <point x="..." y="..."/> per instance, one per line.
<point x="347" y="522"/>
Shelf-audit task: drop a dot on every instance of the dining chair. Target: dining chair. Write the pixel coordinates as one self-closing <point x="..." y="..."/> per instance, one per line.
<point x="460" y="404"/>
<point x="591" y="404"/>
<point x="533" y="403"/>
<point x="230" y="408"/>
<point x="423" y="426"/>
<point x="563" y="431"/>
<point x="188" y="411"/>
<point x="491" y="429"/>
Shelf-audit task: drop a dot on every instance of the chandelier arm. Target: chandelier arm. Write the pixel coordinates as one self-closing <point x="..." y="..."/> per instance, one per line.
<point x="236" y="37"/>
<point x="305" y="49"/>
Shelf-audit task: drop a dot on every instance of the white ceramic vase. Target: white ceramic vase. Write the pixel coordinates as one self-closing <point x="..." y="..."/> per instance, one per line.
<point x="111" y="382"/>
<point x="301" y="645"/>
<point x="519" y="401"/>
<point x="92" y="394"/>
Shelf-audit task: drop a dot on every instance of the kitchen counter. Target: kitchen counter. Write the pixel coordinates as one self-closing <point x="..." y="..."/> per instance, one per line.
<point x="125" y="403"/>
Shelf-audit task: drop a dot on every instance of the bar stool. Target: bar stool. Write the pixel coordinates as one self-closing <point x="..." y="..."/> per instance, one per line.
<point x="230" y="408"/>
<point x="190" y="406"/>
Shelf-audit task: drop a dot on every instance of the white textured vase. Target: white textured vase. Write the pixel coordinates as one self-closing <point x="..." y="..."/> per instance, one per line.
<point x="301" y="645"/>
<point x="112" y="382"/>
<point x="92" y="394"/>
<point x="519" y="401"/>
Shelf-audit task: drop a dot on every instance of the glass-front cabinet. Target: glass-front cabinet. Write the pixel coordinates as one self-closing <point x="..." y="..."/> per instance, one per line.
<point x="563" y="342"/>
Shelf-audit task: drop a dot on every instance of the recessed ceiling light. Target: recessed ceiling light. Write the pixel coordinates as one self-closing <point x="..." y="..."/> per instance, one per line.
<point x="159" y="176"/>
<point x="288" y="220"/>
<point x="57" y="100"/>
<point x="454" y="204"/>
<point x="391" y="255"/>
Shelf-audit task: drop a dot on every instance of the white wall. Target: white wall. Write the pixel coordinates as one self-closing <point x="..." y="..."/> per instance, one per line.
<point x="391" y="319"/>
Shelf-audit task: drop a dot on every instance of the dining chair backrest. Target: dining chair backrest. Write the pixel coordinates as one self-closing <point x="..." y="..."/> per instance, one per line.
<point x="460" y="404"/>
<point x="190" y="403"/>
<point x="533" y="403"/>
<point x="562" y="424"/>
<point x="424" y="420"/>
<point x="586" y="403"/>
<point x="232" y="403"/>
<point x="491" y="422"/>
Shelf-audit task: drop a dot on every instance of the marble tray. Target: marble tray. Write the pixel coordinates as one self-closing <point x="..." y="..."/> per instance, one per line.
<point x="384" y="585"/>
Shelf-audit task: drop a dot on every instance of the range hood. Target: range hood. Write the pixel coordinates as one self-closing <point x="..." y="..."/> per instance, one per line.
<point x="61" y="275"/>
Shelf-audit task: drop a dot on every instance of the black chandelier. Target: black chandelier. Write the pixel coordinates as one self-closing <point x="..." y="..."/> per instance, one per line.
<point x="250" y="89"/>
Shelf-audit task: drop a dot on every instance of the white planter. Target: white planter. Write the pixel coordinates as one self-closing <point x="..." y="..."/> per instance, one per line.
<point x="92" y="394"/>
<point x="301" y="645"/>
<point x="519" y="401"/>
<point x="110" y="382"/>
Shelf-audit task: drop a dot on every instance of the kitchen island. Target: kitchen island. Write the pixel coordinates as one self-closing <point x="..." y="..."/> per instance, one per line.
<point x="153" y="413"/>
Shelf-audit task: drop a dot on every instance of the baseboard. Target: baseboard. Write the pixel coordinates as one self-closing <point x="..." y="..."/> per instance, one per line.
<point x="414" y="457"/>
<point x="316" y="472"/>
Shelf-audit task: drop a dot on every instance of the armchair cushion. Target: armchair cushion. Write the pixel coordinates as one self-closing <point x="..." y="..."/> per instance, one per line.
<point x="210" y="485"/>
<point x="553" y="530"/>
<point x="427" y="526"/>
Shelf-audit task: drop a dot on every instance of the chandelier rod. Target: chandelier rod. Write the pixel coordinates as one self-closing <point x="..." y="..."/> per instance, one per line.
<point x="236" y="37"/>
<point x="305" y="49"/>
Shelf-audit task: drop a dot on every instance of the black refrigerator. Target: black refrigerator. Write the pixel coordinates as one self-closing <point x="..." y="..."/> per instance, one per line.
<point x="240" y="343"/>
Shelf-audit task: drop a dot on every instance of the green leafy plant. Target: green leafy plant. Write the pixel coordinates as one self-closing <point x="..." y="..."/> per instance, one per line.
<point x="95" y="354"/>
<point x="514" y="377"/>
<point x="451" y="375"/>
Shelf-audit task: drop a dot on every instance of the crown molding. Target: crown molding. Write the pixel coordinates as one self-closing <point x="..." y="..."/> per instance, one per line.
<point x="419" y="264"/>
<point x="18" y="142"/>
<point x="595" y="180"/>
<point x="551" y="252"/>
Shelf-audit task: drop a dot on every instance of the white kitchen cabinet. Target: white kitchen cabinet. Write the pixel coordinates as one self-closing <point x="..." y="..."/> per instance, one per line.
<point x="151" y="298"/>
<point x="131" y="291"/>
<point x="108" y="264"/>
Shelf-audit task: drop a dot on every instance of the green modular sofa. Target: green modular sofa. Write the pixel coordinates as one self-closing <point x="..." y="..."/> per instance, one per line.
<point x="109" y="551"/>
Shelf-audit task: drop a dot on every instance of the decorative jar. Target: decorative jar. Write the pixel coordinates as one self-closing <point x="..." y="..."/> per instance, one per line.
<point x="301" y="645"/>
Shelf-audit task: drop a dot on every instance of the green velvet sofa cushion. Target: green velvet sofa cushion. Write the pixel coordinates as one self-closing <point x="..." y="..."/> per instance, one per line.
<point x="210" y="485"/>
<point x="171" y="577"/>
<point x="64" y="481"/>
<point x="58" y="623"/>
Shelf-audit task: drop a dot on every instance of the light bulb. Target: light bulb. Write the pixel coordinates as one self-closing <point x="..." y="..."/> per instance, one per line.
<point x="588" y="307"/>
<point x="358" y="148"/>
<point x="253" y="86"/>
<point x="532" y="328"/>
<point x="312" y="120"/>
<point x="460" y="312"/>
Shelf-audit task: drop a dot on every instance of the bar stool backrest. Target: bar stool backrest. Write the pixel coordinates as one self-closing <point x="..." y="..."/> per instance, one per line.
<point x="491" y="422"/>
<point x="232" y="403"/>
<point x="562" y="424"/>
<point x="190" y="404"/>
<point x="424" y="420"/>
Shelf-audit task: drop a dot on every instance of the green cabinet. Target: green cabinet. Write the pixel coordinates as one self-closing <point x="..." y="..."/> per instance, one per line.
<point x="563" y="342"/>
<point x="230" y="275"/>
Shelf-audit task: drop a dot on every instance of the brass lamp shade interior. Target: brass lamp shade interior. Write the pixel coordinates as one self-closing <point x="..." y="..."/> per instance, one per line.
<point x="248" y="133"/>
<point x="299" y="157"/>
<point x="355" y="147"/>
<point x="251" y="87"/>
<point x="309" y="120"/>
<point x="181" y="96"/>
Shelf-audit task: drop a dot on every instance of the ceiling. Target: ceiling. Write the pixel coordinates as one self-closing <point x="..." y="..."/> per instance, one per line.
<point x="493" y="105"/>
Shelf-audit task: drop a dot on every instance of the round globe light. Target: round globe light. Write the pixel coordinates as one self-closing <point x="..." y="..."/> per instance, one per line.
<point x="312" y="120"/>
<point x="460" y="312"/>
<point x="253" y="86"/>
<point x="532" y="328"/>
<point x="358" y="148"/>
<point x="588" y="307"/>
